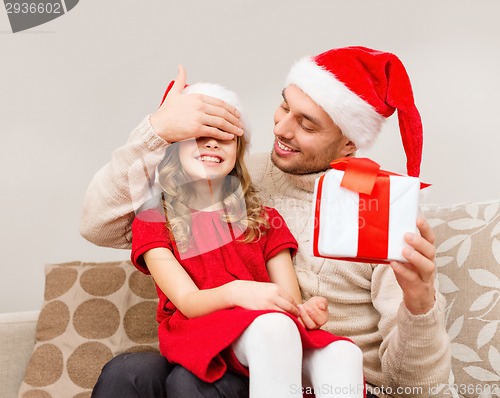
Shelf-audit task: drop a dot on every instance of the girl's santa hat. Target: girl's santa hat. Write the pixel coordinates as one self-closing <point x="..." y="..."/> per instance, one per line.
<point x="359" y="88"/>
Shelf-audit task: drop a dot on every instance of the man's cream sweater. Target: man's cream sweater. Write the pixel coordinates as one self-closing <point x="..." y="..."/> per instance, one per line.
<point x="404" y="354"/>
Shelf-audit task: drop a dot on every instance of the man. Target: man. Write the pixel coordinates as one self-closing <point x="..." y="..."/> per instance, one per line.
<point x="333" y="104"/>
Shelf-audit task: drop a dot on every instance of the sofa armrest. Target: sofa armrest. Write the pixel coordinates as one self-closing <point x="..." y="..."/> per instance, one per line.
<point x="17" y="339"/>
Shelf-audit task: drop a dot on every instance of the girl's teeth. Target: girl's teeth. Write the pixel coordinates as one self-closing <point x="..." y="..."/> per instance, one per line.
<point x="209" y="159"/>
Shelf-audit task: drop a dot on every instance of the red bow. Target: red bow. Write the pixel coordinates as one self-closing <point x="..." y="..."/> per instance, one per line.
<point x="361" y="174"/>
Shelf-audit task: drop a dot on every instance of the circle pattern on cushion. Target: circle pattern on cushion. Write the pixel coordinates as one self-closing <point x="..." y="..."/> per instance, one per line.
<point x="93" y="353"/>
<point x="46" y="365"/>
<point x="91" y="312"/>
<point x="36" y="394"/>
<point x="83" y="395"/>
<point x="58" y="281"/>
<point x="142" y="348"/>
<point x="134" y="322"/>
<point x="102" y="281"/>
<point x="96" y="319"/>
<point x="142" y="285"/>
<point x="53" y="320"/>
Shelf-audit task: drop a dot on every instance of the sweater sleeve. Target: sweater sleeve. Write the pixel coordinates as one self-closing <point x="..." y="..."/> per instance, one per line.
<point x="121" y="187"/>
<point x="415" y="351"/>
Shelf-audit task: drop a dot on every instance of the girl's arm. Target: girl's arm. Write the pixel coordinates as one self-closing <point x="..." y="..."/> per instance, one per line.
<point x="313" y="312"/>
<point x="281" y="271"/>
<point x="120" y="188"/>
<point x="178" y="286"/>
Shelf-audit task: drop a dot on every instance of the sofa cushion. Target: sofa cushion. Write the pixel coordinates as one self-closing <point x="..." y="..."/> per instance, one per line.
<point x="468" y="261"/>
<point x="91" y="312"/>
<point x="17" y="338"/>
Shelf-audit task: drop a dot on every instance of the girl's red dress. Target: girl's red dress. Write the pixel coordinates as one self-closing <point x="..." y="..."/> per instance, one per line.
<point x="216" y="256"/>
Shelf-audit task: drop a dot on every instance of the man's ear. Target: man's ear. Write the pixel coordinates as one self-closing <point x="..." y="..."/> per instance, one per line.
<point x="349" y="148"/>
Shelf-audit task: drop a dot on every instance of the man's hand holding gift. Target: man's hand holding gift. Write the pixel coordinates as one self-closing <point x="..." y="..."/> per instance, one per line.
<point x="416" y="277"/>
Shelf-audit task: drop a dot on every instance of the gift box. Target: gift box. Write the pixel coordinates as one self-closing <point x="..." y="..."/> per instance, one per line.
<point x="361" y="213"/>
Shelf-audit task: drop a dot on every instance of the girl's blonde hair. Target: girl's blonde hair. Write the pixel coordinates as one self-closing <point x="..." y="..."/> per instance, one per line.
<point x="241" y="203"/>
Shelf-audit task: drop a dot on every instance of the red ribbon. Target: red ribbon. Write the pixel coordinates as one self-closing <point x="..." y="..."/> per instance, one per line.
<point x="364" y="176"/>
<point x="362" y="169"/>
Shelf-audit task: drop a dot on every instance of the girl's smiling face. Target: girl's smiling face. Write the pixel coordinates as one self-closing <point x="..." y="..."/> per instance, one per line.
<point x="207" y="158"/>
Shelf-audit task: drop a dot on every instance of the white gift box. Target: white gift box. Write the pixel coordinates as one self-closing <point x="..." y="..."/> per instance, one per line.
<point x="361" y="213"/>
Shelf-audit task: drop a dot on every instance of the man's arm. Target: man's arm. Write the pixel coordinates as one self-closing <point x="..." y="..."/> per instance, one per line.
<point x="415" y="351"/>
<point x="120" y="187"/>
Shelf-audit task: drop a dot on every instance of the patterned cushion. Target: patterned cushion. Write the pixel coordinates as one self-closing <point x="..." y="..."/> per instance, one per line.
<point x="91" y="312"/>
<point x="468" y="261"/>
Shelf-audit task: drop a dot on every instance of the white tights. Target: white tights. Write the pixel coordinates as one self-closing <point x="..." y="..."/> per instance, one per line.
<point x="272" y="350"/>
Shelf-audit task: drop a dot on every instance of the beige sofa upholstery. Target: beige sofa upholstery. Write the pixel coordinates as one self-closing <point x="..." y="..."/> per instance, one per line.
<point x="17" y="338"/>
<point x="93" y="311"/>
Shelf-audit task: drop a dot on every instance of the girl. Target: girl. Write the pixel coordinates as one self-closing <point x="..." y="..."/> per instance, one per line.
<point x="228" y="294"/>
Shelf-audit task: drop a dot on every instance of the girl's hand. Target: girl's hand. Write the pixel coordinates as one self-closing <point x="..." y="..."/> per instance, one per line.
<point x="261" y="296"/>
<point x="185" y="116"/>
<point x="314" y="312"/>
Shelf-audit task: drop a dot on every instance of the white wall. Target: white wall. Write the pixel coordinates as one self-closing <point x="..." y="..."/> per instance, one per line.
<point x="72" y="89"/>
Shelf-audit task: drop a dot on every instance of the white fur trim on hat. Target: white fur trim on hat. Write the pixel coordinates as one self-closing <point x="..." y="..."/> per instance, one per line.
<point x="358" y="120"/>
<point x="214" y="90"/>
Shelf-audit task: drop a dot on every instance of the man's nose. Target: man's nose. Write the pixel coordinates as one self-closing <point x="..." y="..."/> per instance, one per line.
<point x="284" y="127"/>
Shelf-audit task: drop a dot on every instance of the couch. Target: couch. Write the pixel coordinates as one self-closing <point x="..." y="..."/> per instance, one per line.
<point x="92" y="311"/>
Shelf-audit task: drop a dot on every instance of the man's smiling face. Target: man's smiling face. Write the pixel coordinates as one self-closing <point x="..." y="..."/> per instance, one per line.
<point x="307" y="139"/>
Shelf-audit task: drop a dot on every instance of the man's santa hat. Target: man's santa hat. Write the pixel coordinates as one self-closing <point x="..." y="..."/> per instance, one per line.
<point x="359" y="88"/>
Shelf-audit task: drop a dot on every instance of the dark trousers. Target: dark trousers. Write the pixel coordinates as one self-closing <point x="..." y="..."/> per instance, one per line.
<point x="149" y="375"/>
